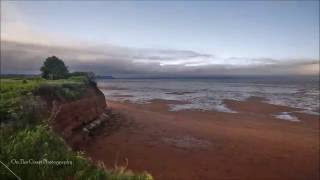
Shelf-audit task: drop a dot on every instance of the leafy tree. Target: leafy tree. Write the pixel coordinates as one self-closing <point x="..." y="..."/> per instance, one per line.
<point x="54" y="68"/>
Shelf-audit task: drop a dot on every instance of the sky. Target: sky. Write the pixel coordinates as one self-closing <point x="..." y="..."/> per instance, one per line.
<point x="172" y="38"/>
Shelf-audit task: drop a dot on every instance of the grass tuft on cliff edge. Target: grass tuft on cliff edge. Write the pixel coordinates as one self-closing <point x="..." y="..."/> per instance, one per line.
<point x="30" y="148"/>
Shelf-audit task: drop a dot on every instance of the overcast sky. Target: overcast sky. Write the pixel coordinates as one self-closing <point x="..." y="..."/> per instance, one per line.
<point x="141" y="38"/>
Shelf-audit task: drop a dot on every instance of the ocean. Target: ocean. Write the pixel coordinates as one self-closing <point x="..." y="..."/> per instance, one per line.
<point x="207" y="94"/>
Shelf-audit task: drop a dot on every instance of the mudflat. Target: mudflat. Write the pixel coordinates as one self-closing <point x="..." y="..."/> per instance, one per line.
<point x="250" y="144"/>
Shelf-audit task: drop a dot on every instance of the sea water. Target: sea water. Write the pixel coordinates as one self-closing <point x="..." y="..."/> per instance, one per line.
<point x="209" y="93"/>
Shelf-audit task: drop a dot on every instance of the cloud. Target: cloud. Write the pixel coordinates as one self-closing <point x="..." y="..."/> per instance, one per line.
<point x="23" y="50"/>
<point x="18" y="57"/>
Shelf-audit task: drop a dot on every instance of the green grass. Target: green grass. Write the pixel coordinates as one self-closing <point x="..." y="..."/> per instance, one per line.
<point x="69" y="89"/>
<point x="39" y="143"/>
<point x="26" y="135"/>
<point x="17" y="91"/>
<point x="12" y="93"/>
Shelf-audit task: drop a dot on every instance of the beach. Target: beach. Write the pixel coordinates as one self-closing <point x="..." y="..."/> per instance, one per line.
<point x="195" y="144"/>
<point x="160" y="90"/>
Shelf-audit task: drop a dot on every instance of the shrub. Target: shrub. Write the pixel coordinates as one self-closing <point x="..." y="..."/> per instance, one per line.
<point x="69" y="92"/>
<point x="13" y="94"/>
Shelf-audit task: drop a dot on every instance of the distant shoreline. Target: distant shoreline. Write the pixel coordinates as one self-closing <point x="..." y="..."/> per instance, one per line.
<point x="222" y="77"/>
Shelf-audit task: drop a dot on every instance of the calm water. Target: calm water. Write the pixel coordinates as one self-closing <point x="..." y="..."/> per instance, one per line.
<point x="208" y="94"/>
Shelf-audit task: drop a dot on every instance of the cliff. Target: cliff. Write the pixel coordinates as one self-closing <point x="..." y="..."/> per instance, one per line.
<point x="67" y="117"/>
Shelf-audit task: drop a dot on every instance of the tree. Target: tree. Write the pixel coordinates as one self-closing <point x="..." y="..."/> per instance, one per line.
<point x="54" y="68"/>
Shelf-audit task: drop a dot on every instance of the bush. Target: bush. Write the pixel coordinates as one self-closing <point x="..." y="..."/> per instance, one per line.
<point x="13" y="94"/>
<point x="69" y="92"/>
<point x="89" y="75"/>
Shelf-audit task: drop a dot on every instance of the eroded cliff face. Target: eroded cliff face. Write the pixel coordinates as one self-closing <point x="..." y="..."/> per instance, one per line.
<point x="68" y="117"/>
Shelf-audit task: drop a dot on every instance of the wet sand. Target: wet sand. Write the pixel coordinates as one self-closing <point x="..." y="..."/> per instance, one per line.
<point x="251" y="144"/>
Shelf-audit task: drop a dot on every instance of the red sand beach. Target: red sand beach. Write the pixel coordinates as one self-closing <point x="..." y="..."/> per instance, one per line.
<point x="251" y="144"/>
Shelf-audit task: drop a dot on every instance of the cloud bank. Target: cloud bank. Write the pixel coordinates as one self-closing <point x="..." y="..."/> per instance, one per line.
<point x="21" y="57"/>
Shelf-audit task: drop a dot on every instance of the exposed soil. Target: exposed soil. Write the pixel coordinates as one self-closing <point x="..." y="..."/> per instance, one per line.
<point x="251" y="144"/>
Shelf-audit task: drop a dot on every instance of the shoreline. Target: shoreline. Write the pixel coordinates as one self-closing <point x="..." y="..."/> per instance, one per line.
<point x="190" y="144"/>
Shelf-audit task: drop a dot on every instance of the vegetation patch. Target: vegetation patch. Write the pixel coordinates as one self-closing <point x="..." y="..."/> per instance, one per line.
<point x="38" y="153"/>
<point x="29" y="147"/>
